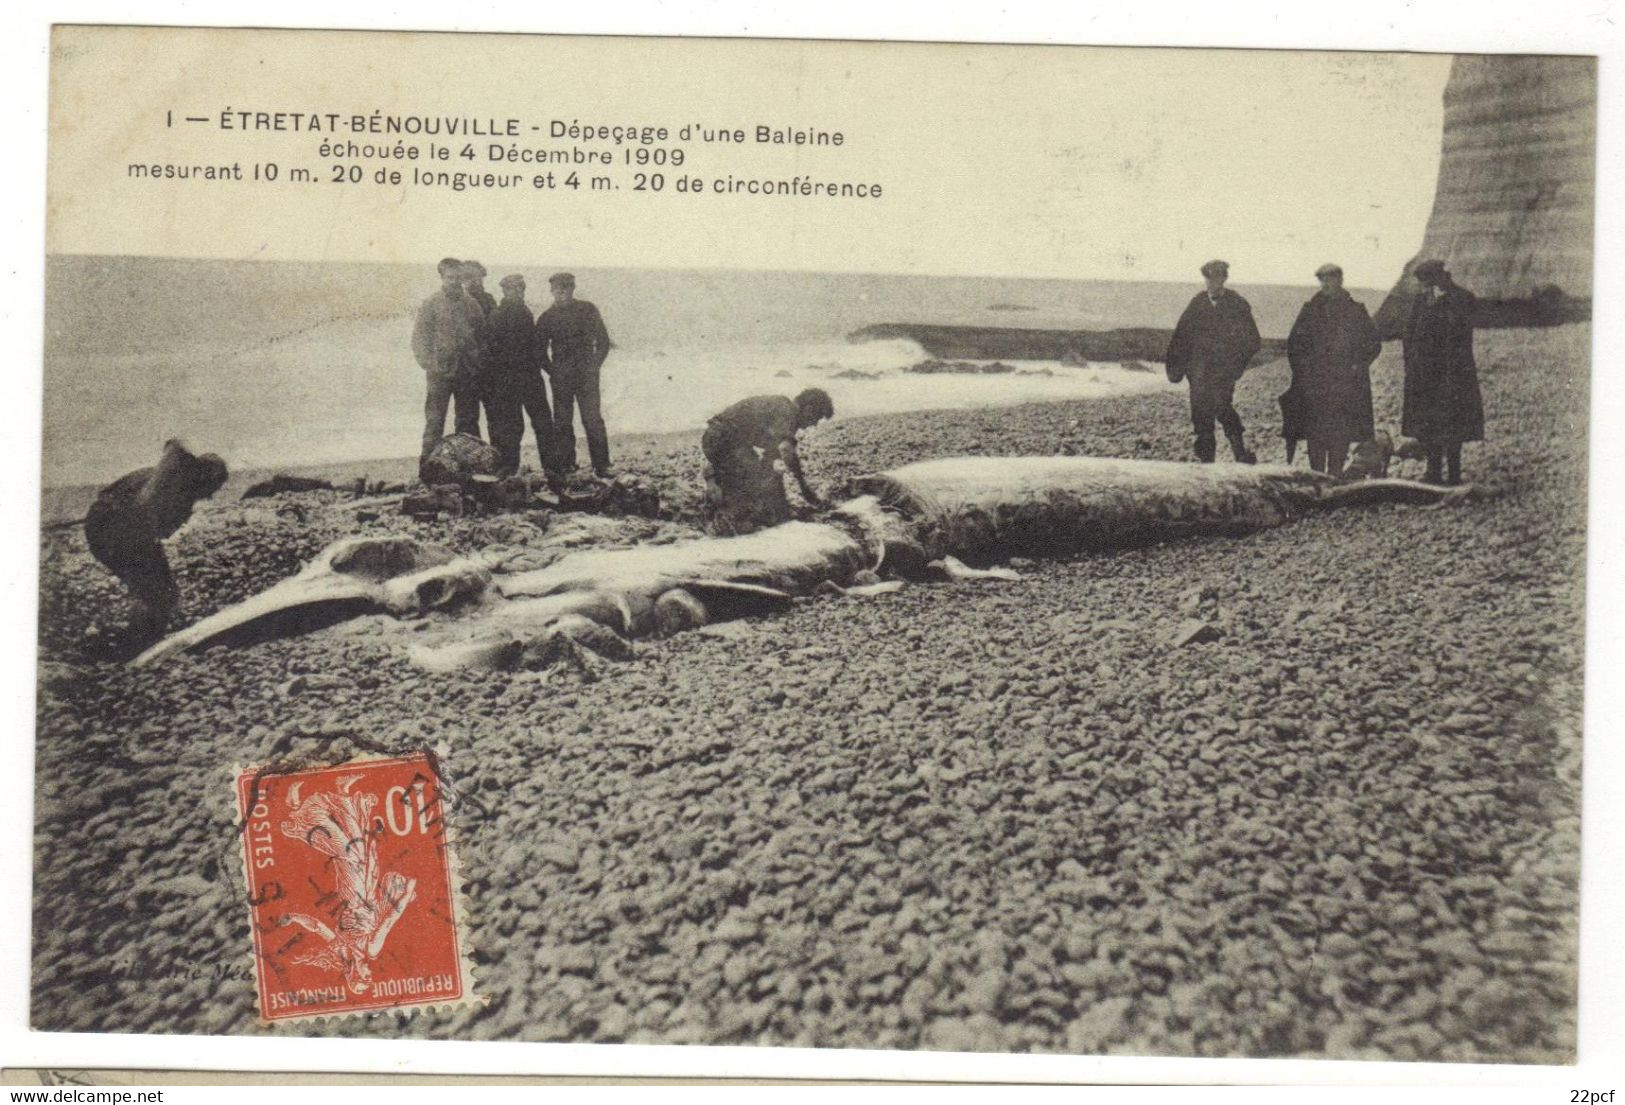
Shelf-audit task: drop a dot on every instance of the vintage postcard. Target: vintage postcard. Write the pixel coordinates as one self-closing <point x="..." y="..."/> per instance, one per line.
<point x="934" y="547"/>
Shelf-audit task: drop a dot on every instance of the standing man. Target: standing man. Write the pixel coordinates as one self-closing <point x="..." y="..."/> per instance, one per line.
<point x="1330" y="350"/>
<point x="1214" y="340"/>
<point x="513" y="382"/>
<point x="1443" y="405"/>
<point x="130" y="518"/>
<point x="446" y="343"/>
<point x="573" y="343"/>
<point x="743" y="491"/>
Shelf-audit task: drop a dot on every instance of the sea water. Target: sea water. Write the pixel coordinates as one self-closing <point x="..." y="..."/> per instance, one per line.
<point x="278" y="365"/>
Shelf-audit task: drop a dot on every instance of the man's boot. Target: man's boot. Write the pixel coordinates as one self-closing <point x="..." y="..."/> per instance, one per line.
<point x="1206" y="448"/>
<point x="1435" y="470"/>
<point x="1337" y="455"/>
<point x="1243" y="455"/>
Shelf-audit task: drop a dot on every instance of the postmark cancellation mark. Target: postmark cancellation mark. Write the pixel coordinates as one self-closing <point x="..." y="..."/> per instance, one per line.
<point x="351" y="889"/>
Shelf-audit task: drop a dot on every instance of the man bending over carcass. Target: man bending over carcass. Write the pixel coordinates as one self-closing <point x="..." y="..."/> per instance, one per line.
<point x="743" y="491"/>
<point x="132" y="515"/>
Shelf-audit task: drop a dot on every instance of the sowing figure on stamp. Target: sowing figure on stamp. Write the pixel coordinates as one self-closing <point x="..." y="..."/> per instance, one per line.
<point x="338" y="825"/>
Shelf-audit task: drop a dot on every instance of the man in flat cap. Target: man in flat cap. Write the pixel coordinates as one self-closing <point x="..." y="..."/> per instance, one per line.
<point x="512" y="385"/>
<point x="573" y="343"/>
<point x="446" y="343"/>
<point x="474" y="284"/>
<point x="1215" y="338"/>
<point x="1443" y="405"/>
<point x="1330" y="350"/>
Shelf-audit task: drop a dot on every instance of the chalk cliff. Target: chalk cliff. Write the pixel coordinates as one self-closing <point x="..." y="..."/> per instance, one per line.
<point x="1512" y="215"/>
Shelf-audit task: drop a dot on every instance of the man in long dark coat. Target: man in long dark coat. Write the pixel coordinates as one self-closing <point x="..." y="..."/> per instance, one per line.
<point x="1212" y="343"/>
<point x="513" y="384"/>
<point x="1443" y="405"/>
<point x="1330" y="350"/>
<point x="574" y="343"/>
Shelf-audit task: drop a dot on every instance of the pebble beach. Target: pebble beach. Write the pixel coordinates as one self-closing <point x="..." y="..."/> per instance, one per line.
<point x="993" y="816"/>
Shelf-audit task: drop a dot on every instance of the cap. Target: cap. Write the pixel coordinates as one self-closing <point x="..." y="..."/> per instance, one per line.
<point x="567" y="279"/>
<point x="816" y="403"/>
<point x="1329" y="270"/>
<point x="1216" y="268"/>
<point x="474" y="267"/>
<point x="210" y="473"/>
<point x="1431" y="267"/>
<point x="447" y="264"/>
<point x="513" y="280"/>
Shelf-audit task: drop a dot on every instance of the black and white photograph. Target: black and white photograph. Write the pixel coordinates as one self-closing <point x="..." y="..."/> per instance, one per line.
<point x="1036" y="550"/>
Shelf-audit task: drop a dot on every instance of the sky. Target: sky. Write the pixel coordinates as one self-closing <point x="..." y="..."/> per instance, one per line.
<point x="1100" y="163"/>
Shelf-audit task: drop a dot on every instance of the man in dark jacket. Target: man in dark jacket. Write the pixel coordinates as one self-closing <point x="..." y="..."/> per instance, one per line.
<point x="1443" y="405"/>
<point x="743" y="490"/>
<point x="513" y="384"/>
<point x="130" y="518"/>
<point x="1215" y="338"/>
<point x="573" y="344"/>
<point x="1330" y="350"/>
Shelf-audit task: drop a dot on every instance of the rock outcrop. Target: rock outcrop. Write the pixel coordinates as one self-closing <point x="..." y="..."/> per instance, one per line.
<point x="1512" y="215"/>
<point x="988" y="343"/>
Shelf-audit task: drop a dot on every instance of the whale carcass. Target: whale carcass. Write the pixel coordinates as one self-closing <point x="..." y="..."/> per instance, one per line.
<point x="497" y="612"/>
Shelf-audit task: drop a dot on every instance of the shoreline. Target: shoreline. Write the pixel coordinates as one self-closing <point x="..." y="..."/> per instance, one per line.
<point x="66" y="503"/>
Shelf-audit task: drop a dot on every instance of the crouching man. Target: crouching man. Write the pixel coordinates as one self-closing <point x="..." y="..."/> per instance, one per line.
<point x="131" y="517"/>
<point x="743" y="491"/>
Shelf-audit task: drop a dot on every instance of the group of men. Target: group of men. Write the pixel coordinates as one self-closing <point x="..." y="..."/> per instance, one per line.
<point x="476" y="352"/>
<point x="1330" y="350"/>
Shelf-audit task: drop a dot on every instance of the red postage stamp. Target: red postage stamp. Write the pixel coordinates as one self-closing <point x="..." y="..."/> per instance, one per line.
<point x="351" y="888"/>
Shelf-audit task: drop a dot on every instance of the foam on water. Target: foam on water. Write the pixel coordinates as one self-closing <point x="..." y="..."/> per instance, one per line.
<point x="680" y="389"/>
